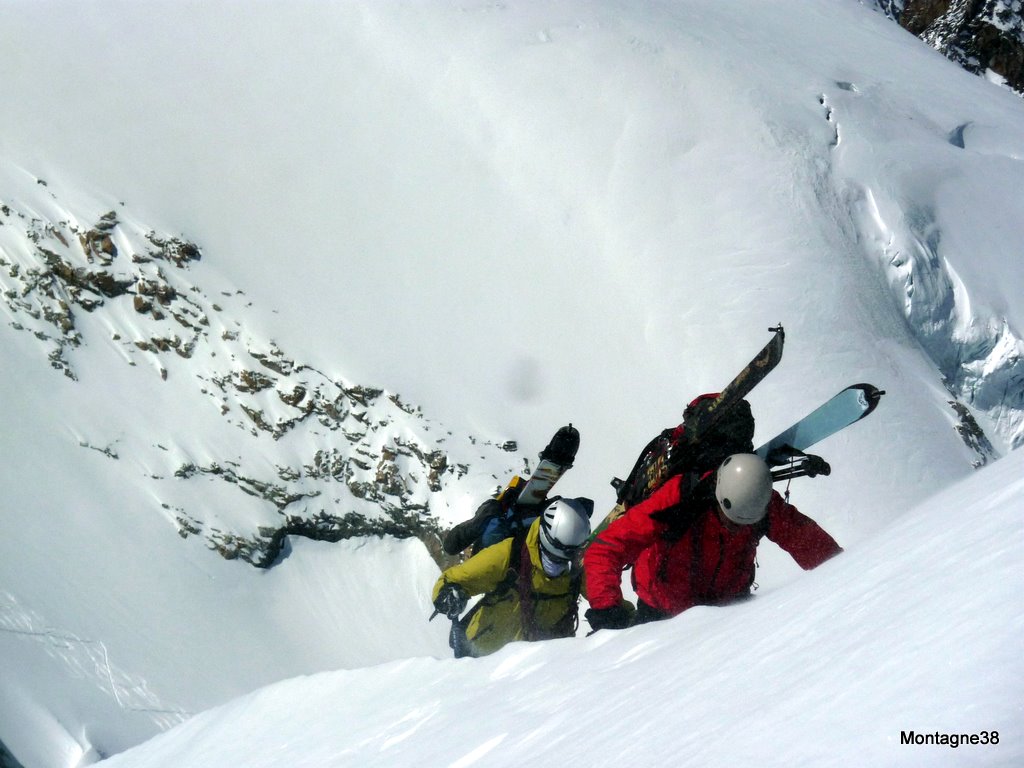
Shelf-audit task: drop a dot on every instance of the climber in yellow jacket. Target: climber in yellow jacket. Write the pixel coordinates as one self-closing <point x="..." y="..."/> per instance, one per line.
<point x="530" y="584"/>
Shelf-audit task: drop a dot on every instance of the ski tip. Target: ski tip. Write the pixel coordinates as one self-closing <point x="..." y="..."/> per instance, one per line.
<point x="871" y="393"/>
<point x="867" y="388"/>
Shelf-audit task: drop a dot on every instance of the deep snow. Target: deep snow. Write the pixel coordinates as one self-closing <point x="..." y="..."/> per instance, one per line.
<point x="517" y="215"/>
<point x="890" y="638"/>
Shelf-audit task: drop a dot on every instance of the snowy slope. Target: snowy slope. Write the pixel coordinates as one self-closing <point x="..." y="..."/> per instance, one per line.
<point x="272" y="445"/>
<point x="428" y="154"/>
<point x="100" y="679"/>
<point x="918" y="630"/>
<point x="511" y="216"/>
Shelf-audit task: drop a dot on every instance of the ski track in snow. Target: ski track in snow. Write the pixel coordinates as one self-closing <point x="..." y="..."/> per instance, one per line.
<point x="87" y="659"/>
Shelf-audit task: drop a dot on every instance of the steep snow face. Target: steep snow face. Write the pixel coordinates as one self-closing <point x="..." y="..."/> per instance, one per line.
<point x="130" y="648"/>
<point x="925" y="187"/>
<point x="151" y="430"/>
<point x="922" y="236"/>
<point x="929" y="198"/>
<point x="913" y="636"/>
<point x="674" y="188"/>
<point x="515" y="215"/>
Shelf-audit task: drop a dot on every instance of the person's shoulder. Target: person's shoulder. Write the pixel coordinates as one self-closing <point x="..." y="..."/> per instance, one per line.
<point x="500" y="550"/>
<point x="671" y="487"/>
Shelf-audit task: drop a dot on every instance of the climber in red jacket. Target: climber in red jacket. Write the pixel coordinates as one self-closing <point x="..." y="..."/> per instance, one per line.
<point x="696" y="546"/>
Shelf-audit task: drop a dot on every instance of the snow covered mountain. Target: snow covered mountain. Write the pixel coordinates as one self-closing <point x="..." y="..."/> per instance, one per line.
<point x="339" y="269"/>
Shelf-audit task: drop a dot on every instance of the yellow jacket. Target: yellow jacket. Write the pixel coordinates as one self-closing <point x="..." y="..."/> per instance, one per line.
<point x="498" y="618"/>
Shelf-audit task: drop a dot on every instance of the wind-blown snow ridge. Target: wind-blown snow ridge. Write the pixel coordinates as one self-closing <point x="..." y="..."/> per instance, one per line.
<point x="352" y="460"/>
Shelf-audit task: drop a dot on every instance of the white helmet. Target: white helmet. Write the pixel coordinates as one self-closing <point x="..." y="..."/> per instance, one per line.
<point x="564" y="529"/>
<point x="743" y="488"/>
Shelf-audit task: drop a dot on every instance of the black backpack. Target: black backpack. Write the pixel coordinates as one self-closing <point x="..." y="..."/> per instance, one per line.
<point x="671" y="453"/>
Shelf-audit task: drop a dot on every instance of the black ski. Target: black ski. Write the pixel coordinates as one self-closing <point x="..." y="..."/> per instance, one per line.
<point x="663" y="456"/>
<point x="555" y="460"/>
<point x="752" y="374"/>
<point x="518" y="500"/>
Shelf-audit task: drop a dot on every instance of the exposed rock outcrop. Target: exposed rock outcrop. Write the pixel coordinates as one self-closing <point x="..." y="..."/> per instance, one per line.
<point x="342" y="459"/>
<point x="979" y="35"/>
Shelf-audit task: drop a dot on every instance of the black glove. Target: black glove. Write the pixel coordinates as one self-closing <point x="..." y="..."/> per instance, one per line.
<point x="451" y="600"/>
<point x="616" y="617"/>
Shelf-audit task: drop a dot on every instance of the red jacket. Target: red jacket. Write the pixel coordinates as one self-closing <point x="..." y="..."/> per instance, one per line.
<point x="710" y="564"/>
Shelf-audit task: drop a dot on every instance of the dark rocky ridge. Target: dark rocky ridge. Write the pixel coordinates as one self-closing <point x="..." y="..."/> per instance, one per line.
<point x="978" y="35"/>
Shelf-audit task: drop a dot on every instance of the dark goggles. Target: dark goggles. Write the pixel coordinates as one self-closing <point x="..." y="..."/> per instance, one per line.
<point x="559" y="550"/>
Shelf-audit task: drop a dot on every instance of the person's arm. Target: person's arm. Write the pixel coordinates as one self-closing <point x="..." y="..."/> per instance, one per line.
<point x="480" y="574"/>
<point x="621" y="543"/>
<point x="806" y="541"/>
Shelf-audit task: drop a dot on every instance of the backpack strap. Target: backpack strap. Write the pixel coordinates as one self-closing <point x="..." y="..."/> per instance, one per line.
<point x="524" y="586"/>
<point x="575" y="587"/>
<point x="520" y="577"/>
<point x="693" y="491"/>
<point x="515" y="560"/>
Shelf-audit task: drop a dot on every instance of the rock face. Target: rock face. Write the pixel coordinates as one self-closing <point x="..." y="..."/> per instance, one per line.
<point x="979" y="35"/>
<point x="269" y="446"/>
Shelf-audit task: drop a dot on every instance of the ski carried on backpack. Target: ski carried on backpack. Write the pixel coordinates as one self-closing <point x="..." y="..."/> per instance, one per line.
<point x="752" y="374"/>
<point x="555" y="460"/>
<point x="849" y="406"/>
<point x="516" y="505"/>
<point x="661" y="458"/>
